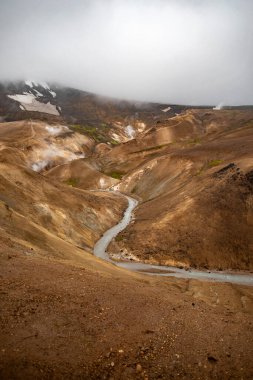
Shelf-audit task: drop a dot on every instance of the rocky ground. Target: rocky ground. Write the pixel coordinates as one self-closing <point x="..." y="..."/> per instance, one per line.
<point x="68" y="321"/>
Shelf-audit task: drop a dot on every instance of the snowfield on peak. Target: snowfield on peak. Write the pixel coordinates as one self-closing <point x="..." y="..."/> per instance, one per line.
<point x="166" y="109"/>
<point x="44" y="85"/>
<point x="32" y="84"/>
<point x="23" y="98"/>
<point x="53" y="93"/>
<point x="29" y="102"/>
<point x="29" y="83"/>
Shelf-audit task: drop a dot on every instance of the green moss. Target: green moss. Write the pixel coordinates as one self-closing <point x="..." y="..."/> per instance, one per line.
<point x="72" y="182"/>
<point x="195" y="141"/>
<point x="118" y="238"/>
<point x="116" y="175"/>
<point x="199" y="172"/>
<point x="114" y="142"/>
<point x="214" y="163"/>
<point x="208" y="165"/>
<point x="95" y="133"/>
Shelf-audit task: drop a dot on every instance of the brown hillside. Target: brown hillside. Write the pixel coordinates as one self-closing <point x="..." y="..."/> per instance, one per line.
<point x="190" y="213"/>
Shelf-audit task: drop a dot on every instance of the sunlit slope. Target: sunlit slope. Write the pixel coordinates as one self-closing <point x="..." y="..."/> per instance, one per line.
<point x="35" y="210"/>
<point x="196" y="194"/>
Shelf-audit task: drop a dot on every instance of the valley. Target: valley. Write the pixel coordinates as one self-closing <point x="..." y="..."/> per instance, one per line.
<point x="126" y="241"/>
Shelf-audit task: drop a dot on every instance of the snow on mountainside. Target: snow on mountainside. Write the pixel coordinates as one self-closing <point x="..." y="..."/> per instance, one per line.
<point x="36" y="99"/>
<point x="104" y="119"/>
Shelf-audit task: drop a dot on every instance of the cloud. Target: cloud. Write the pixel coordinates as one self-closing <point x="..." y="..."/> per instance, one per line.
<point x="194" y="52"/>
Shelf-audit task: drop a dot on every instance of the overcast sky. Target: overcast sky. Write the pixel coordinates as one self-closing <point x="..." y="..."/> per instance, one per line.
<point x="180" y="51"/>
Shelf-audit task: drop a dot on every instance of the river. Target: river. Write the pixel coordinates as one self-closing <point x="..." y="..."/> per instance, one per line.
<point x="100" y="250"/>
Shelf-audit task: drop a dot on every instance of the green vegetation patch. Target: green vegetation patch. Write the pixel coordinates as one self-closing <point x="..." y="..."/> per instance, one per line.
<point x="199" y="172"/>
<point x="72" y="182"/>
<point x="118" y="238"/>
<point x="195" y="141"/>
<point x="134" y="190"/>
<point x="213" y="163"/>
<point x="208" y="165"/>
<point x="115" y="175"/>
<point x="96" y="133"/>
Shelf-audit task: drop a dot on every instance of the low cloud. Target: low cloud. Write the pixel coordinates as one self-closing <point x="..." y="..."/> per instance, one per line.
<point x="194" y="51"/>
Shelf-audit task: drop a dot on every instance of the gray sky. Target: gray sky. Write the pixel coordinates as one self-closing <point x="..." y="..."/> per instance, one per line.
<point x="182" y="51"/>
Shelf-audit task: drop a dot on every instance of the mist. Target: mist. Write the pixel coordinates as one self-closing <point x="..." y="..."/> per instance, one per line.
<point x="174" y="51"/>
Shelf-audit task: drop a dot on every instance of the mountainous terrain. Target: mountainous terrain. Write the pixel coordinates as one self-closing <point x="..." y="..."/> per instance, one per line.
<point x="67" y="160"/>
<point x="104" y="119"/>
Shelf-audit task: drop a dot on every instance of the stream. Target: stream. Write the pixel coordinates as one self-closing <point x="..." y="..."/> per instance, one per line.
<point x="100" y="250"/>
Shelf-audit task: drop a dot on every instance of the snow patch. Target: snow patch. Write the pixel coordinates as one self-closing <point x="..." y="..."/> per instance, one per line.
<point x="29" y="102"/>
<point x="38" y="93"/>
<point x="166" y="109"/>
<point x="44" y="85"/>
<point x="53" y="93"/>
<point x="24" y="98"/>
<point x="29" y="83"/>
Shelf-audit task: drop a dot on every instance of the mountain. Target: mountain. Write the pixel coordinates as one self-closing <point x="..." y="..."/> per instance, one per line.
<point x="105" y="119"/>
<point x="68" y="161"/>
<point x="191" y="170"/>
<point x="193" y="175"/>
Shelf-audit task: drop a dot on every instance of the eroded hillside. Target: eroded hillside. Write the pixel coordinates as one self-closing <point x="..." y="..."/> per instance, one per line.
<point x="39" y="213"/>
<point x="67" y="314"/>
<point x="192" y="175"/>
<point x="194" y="180"/>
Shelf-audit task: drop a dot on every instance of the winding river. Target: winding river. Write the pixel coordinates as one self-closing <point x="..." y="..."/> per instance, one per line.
<point x="100" y="250"/>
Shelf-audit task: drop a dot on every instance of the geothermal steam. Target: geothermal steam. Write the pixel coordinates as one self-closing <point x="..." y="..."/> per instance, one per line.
<point x="53" y="154"/>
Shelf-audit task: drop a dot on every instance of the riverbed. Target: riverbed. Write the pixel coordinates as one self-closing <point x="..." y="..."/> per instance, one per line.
<point x="100" y="250"/>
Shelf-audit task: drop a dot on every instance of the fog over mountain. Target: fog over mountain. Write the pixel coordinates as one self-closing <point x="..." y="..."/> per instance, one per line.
<point x="194" y="51"/>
